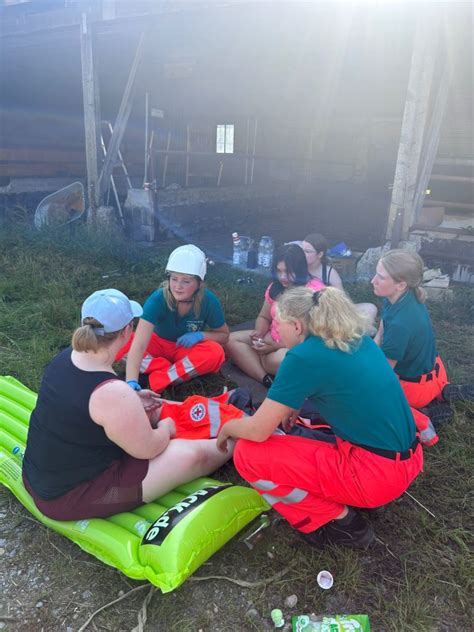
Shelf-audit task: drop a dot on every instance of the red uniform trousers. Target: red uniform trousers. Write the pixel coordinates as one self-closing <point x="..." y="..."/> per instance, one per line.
<point x="428" y="388"/>
<point x="165" y="363"/>
<point x="200" y="417"/>
<point x="309" y="482"/>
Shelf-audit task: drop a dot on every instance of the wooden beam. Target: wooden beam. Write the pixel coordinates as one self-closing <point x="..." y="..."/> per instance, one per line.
<point x="40" y="155"/>
<point x="122" y="119"/>
<point x="462" y="205"/>
<point x="440" y="178"/>
<point x="90" y="95"/>
<point x="411" y="134"/>
<point x="434" y="134"/>
<point x="458" y="162"/>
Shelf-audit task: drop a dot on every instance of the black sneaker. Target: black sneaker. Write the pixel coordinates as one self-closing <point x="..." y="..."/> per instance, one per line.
<point x="440" y="413"/>
<point x="354" y="532"/>
<point x="268" y="380"/>
<point x="458" y="392"/>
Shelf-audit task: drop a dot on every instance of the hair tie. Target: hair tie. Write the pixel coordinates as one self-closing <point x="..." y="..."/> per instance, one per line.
<point x="316" y="297"/>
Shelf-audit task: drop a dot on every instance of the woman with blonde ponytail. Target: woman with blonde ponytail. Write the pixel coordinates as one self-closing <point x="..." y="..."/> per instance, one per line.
<point x="371" y="453"/>
<point x="407" y="339"/>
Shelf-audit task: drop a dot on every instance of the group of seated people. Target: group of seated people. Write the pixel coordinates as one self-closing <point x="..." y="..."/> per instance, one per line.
<point x="99" y="445"/>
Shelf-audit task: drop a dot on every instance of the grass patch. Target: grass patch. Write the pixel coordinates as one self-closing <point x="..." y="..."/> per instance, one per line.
<point x="417" y="577"/>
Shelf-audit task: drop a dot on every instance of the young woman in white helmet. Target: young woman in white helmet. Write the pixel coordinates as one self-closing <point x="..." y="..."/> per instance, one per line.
<point x="182" y="329"/>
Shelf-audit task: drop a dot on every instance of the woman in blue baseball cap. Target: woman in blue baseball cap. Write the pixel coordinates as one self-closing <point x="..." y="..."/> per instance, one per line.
<point x="94" y="447"/>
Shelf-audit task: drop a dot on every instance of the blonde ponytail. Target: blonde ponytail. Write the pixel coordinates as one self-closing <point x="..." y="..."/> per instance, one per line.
<point x="86" y="339"/>
<point x="407" y="267"/>
<point x="329" y="314"/>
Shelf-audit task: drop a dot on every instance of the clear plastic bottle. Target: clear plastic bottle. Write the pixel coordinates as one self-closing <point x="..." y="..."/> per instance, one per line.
<point x="265" y="252"/>
<point x="237" y="250"/>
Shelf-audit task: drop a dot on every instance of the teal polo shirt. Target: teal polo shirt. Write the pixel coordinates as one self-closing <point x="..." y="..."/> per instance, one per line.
<point x="356" y="392"/>
<point x="408" y="336"/>
<point x="170" y="325"/>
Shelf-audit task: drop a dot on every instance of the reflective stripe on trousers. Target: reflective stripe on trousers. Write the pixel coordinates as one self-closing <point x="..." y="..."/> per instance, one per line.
<point x="295" y="496"/>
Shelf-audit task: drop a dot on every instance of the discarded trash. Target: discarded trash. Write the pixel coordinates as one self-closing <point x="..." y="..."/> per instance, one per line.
<point x="332" y="623"/>
<point x="248" y="280"/>
<point x="291" y="601"/>
<point x="340" y="250"/>
<point x="325" y="580"/>
<point x="237" y="250"/>
<point x="277" y="618"/>
<point x="61" y="207"/>
<point x="265" y="252"/>
<point x="250" y="537"/>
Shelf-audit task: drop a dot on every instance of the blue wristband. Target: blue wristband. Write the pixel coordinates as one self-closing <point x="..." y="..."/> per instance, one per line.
<point x="134" y="384"/>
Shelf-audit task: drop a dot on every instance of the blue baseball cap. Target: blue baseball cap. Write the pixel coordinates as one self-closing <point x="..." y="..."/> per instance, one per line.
<point x="111" y="308"/>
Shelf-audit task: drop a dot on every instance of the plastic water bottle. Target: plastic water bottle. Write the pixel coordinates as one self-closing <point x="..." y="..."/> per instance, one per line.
<point x="237" y="251"/>
<point x="265" y="252"/>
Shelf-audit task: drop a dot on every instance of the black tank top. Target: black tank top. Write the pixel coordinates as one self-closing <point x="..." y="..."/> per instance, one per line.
<point x="65" y="447"/>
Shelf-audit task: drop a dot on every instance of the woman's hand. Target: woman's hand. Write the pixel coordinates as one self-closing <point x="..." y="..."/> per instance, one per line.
<point x="222" y="438"/>
<point x="289" y="421"/>
<point x="169" y="424"/>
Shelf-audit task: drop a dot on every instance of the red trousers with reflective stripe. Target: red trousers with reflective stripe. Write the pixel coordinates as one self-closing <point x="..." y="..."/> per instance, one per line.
<point x="165" y="363"/>
<point x="421" y="393"/>
<point x="309" y="482"/>
<point x="200" y="417"/>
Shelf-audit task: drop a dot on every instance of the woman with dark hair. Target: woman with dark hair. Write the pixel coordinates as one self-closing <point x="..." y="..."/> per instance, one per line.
<point x="315" y="247"/>
<point x="259" y="352"/>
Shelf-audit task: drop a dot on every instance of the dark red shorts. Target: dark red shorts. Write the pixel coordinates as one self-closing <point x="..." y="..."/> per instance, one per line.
<point x="117" y="489"/>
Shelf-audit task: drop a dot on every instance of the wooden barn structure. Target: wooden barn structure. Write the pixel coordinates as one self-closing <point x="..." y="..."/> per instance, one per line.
<point x="354" y="118"/>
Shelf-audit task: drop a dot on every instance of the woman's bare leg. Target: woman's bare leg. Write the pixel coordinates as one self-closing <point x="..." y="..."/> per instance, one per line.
<point x="240" y="351"/>
<point x="272" y="361"/>
<point x="181" y="462"/>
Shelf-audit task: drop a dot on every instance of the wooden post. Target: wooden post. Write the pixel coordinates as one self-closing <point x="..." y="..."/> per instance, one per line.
<point x="247" y="141"/>
<point x="122" y="119"/>
<point x="411" y="135"/>
<point x="188" y="149"/>
<point x="254" y="149"/>
<point x="165" y="165"/>
<point x="90" y="95"/>
<point x="434" y="133"/>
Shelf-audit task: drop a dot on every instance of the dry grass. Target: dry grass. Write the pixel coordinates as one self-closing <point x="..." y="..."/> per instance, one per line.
<point x="417" y="577"/>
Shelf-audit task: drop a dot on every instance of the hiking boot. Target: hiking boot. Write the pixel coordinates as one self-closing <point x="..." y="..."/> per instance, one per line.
<point x="268" y="380"/>
<point x="440" y="413"/>
<point x="351" y="531"/>
<point x="458" y="392"/>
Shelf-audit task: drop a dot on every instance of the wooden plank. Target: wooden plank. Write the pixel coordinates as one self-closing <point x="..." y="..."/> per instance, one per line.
<point x="122" y="118"/>
<point x="90" y="95"/>
<point x="41" y="169"/>
<point x="463" y="205"/>
<point x="458" y="162"/>
<point x="411" y="134"/>
<point x="440" y="178"/>
<point x="434" y="133"/>
<point x="40" y="155"/>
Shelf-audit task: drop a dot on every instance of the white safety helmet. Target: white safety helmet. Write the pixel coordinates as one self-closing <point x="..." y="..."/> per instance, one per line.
<point x="188" y="259"/>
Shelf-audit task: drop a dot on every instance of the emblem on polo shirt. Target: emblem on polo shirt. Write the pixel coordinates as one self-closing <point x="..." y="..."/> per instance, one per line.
<point x="197" y="412"/>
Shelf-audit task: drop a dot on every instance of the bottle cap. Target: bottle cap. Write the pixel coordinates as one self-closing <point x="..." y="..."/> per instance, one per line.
<point x="325" y="580"/>
<point x="277" y="618"/>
